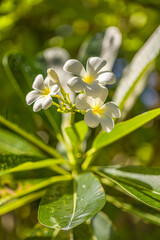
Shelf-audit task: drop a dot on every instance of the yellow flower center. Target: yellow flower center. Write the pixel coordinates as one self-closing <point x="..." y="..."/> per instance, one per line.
<point x="46" y="91"/>
<point x="98" y="110"/>
<point x="88" y="79"/>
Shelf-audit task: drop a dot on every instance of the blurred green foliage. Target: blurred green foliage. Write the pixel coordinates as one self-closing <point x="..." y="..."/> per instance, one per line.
<point x="30" y="26"/>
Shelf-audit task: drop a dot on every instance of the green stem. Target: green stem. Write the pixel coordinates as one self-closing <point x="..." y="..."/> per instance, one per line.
<point x="30" y="138"/>
<point x="89" y="158"/>
<point x="73" y="126"/>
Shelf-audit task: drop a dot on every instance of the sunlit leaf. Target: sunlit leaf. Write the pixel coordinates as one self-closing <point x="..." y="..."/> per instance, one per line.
<point x="68" y="204"/>
<point x="140" y="182"/>
<point x="124" y="128"/>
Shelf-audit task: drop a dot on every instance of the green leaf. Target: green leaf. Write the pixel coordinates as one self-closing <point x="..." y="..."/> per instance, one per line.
<point x="30" y="137"/>
<point x="81" y="129"/>
<point x="19" y="184"/>
<point x="140" y="182"/>
<point x="21" y="71"/>
<point x="147" y="213"/>
<point x="19" y="202"/>
<point x="136" y="73"/>
<point x="68" y="204"/>
<point x="12" y="143"/>
<point x="16" y="163"/>
<point x="83" y="231"/>
<point x="102" y="227"/>
<point x="124" y="128"/>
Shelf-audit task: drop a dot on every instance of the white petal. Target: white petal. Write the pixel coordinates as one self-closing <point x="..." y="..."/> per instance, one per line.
<point x="54" y="90"/>
<point x="76" y="84"/>
<point x="107" y="123"/>
<point x="32" y="96"/>
<point x="53" y="75"/>
<point x="84" y="102"/>
<point x="112" y="109"/>
<point x="75" y="67"/>
<point x="94" y="65"/>
<point x="96" y="90"/>
<point x="91" y="119"/>
<point x="47" y="102"/>
<point x="38" y="104"/>
<point x="38" y="83"/>
<point x="48" y="82"/>
<point x="106" y="78"/>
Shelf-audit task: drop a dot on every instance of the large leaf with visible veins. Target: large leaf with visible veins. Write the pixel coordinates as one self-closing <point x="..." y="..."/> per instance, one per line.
<point x="70" y="203"/>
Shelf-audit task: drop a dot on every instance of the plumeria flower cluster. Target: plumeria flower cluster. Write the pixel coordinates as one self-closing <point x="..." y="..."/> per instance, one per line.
<point x="90" y="84"/>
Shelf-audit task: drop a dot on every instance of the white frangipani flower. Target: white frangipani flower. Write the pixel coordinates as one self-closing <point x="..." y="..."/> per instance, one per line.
<point x="90" y="79"/>
<point x="43" y="91"/>
<point x="97" y="112"/>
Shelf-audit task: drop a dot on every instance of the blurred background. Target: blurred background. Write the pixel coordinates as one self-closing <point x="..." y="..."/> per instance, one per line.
<point x="31" y="26"/>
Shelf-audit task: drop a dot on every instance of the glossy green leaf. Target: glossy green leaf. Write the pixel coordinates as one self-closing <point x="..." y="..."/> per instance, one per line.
<point x="140" y="182"/>
<point x="81" y="129"/>
<point x="130" y="84"/>
<point x="21" y="71"/>
<point x="68" y="204"/>
<point x="124" y="128"/>
<point x="12" y="143"/>
<point x="102" y="227"/>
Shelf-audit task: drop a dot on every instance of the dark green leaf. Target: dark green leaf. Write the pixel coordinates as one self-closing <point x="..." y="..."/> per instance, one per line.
<point x="68" y="204"/>
<point x="124" y="128"/>
<point x="83" y="231"/>
<point x="140" y="182"/>
<point x="16" y="163"/>
<point x="21" y="71"/>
